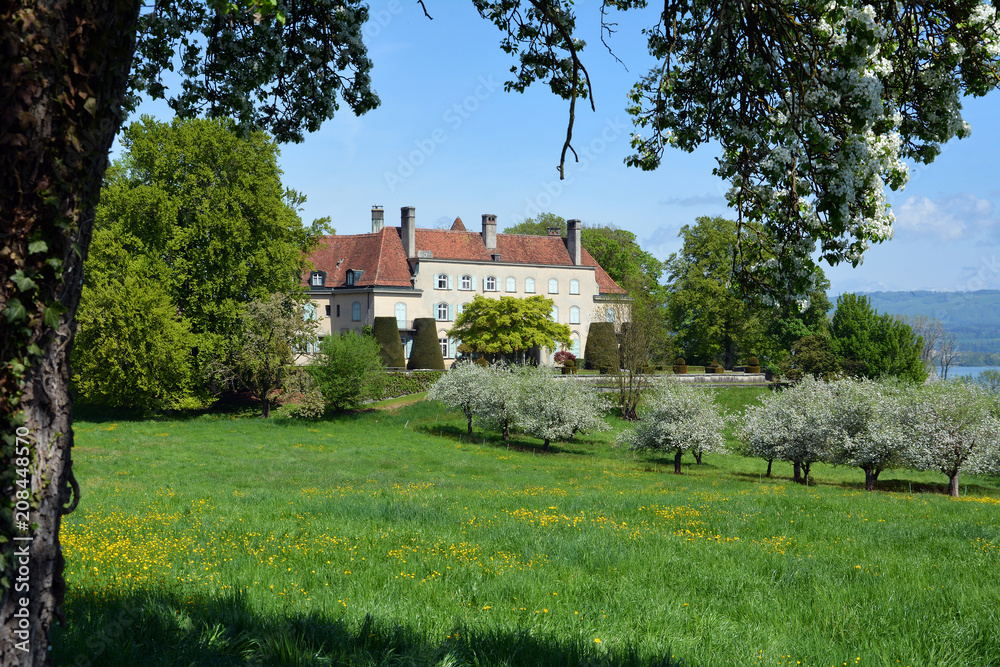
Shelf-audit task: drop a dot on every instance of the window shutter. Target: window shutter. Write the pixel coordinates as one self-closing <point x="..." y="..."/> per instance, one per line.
<point x="451" y="348"/>
<point x="473" y="282"/>
<point x="451" y="312"/>
<point x="451" y="282"/>
<point x="484" y="284"/>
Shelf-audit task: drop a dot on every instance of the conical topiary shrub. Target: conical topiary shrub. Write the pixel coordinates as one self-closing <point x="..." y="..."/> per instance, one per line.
<point x="601" y="352"/>
<point x="680" y="366"/>
<point x="386" y="332"/>
<point x="426" y="352"/>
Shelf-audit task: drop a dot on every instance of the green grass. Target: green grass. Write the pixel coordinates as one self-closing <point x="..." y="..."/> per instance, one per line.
<point x="390" y="538"/>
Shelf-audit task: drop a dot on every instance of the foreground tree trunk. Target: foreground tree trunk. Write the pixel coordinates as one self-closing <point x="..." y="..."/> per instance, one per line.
<point x="677" y="461"/>
<point x="468" y="416"/>
<point x="797" y="472"/>
<point x="769" y="463"/>
<point x="63" y="72"/>
<point x="697" y="456"/>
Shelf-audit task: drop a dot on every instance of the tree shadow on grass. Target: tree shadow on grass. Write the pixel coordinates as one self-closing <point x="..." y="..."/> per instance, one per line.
<point x="124" y="630"/>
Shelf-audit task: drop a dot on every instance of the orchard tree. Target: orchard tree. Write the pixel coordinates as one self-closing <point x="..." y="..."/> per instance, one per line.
<point x="552" y="408"/>
<point x="462" y="388"/>
<point x="269" y="335"/>
<point x="509" y="326"/>
<point x="951" y="429"/>
<point x="870" y="432"/>
<point x="678" y="419"/>
<point x="498" y="409"/>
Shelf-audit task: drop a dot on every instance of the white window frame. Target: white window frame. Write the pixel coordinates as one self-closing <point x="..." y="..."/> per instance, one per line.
<point x="401" y="323"/>
<point x="439" y="309"/>
<point x="574" y="286"/>
<point x="490" y="284"/>
<point x="316" y="279"/>
<point x="441" y="281"/>
<point x="356" y="311"/>
<point x="511" y="284"/>
<point x="529" y="285"/>
<point x="574" y="314"/>
<point x="553" y="286"/>
<point x="609" y="315"/>
<point x="555" y="313"/>
<point x="466" y="282"/>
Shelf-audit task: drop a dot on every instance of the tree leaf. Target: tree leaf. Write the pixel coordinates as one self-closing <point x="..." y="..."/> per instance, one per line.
<point x="14" y="311"/>
<point x="37" y="246"/>
<point x="23" y="282"/>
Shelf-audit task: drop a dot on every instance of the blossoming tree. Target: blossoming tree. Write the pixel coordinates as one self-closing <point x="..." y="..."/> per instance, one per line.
<point x="550" y="408"/>
<point x="675" y="419"/>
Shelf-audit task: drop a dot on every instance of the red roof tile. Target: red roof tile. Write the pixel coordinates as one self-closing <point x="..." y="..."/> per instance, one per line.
<point x="381" y="256"/>
<point x="458" y="225"/>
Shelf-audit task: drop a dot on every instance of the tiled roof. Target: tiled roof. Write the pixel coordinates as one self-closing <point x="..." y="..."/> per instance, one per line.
<point x="458" y="225"/>
<point x="383" y="260"/>
<point x="379" y="255"/>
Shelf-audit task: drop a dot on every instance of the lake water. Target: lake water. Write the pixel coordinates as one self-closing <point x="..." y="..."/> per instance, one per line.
<point x="964" y="371"/>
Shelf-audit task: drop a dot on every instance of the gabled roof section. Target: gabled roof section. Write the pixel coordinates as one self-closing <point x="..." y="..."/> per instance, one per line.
<point x="458" y="226"/>
<point x="379" y="255"/>
<point x="448" y="244"/>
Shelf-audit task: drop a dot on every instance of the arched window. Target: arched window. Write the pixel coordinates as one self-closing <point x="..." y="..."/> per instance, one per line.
<point x="442" y="312"/>
<point x="511" y="284"/>
<point x="574" y="314"/>
<point x="529" y="285"/>
<point x="309" y="311"/>
<point x="356" y="312"/>
<point x="401" y="315"/>
<point x="490" y="284"/>
<point x="555" y="313"/>
<point x="574" y="286"/>
<point x="553" y="286"/>
<point x="575" y="348"/>
<point x="609" y="315"/>
<point x="441" y="281"/>
<point x="443" y="340"/>
<point x="466" y="282"/>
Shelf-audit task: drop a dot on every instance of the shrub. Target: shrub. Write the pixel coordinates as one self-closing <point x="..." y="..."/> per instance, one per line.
<point x="565" y="357"/>
<point x="482" y="362"/>
<point x="680" y="367"/>
<point x="602" y="347"/>
<point x="426" y="352"/>
<point x="301" y="399"/>
<point x="386" y="332"/>
<point x="348" y="370"/>
<point x="461" y="388"/>
<point x="753" y="365"/>
<point x="400" y="383"/>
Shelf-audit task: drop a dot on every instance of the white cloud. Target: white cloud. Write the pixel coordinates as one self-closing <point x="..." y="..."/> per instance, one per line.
<point x="945" y="218"/>
<point x="694" y="200"/>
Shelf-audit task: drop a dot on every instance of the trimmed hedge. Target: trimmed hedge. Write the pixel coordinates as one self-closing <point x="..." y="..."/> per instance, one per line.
<point x="680" y="366"/>
<point x="602" y="347"/>
<point x="386" y="332"/>
<point x="426" y="352"/>
<point x="399" y="383"/>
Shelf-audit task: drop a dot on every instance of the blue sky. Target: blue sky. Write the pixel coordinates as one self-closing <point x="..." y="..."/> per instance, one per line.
<point x="448" y="140"/>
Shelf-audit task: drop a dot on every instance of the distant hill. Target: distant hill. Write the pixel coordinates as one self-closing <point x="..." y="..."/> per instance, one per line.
<point x="974" y="318"/>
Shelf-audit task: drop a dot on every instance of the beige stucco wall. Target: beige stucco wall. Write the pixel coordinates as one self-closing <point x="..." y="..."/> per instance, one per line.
<point x="424" y="299"/>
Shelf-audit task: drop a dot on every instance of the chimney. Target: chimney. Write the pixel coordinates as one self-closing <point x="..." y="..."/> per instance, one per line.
<point x="553" y="231"/>
<point x="378" y="219"/>
<point x="490" y="231"/>
<point x="573" y="243"/>
<point x="407" y="230"/>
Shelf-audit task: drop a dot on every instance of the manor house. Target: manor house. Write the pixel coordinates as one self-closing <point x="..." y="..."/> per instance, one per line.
<point x="408" y="272"/>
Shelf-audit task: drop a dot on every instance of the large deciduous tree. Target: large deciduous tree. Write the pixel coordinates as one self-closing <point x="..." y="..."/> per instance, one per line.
<point x="509" y="326"/>
<point x="814" y="105"/>
<point x="873" y="345"/>
<point x="553" y="408"/>
<point x="66" y="68"/>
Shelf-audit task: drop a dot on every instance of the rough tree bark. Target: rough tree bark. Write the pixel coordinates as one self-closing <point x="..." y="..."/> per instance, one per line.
<point x="63" y="71"/>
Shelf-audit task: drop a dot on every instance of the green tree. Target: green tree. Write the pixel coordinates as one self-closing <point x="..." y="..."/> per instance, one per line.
<point x="872" y="345"/>
<point x="509" y="326"/>
<point x="210" y="203"/>
<point x="348" y="370"/>
<point x="601" y="351"/>
<point x="539" y="225"/>
<point x="132" y="348"/>
<point x="261" y="356"/>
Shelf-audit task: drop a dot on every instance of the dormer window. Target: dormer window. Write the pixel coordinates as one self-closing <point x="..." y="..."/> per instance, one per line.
<point x="352" y="276"/>
<point x="317" y="279"/>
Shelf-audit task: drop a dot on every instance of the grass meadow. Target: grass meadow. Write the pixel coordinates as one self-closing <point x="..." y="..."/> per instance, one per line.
<point x="391" y="538"/>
